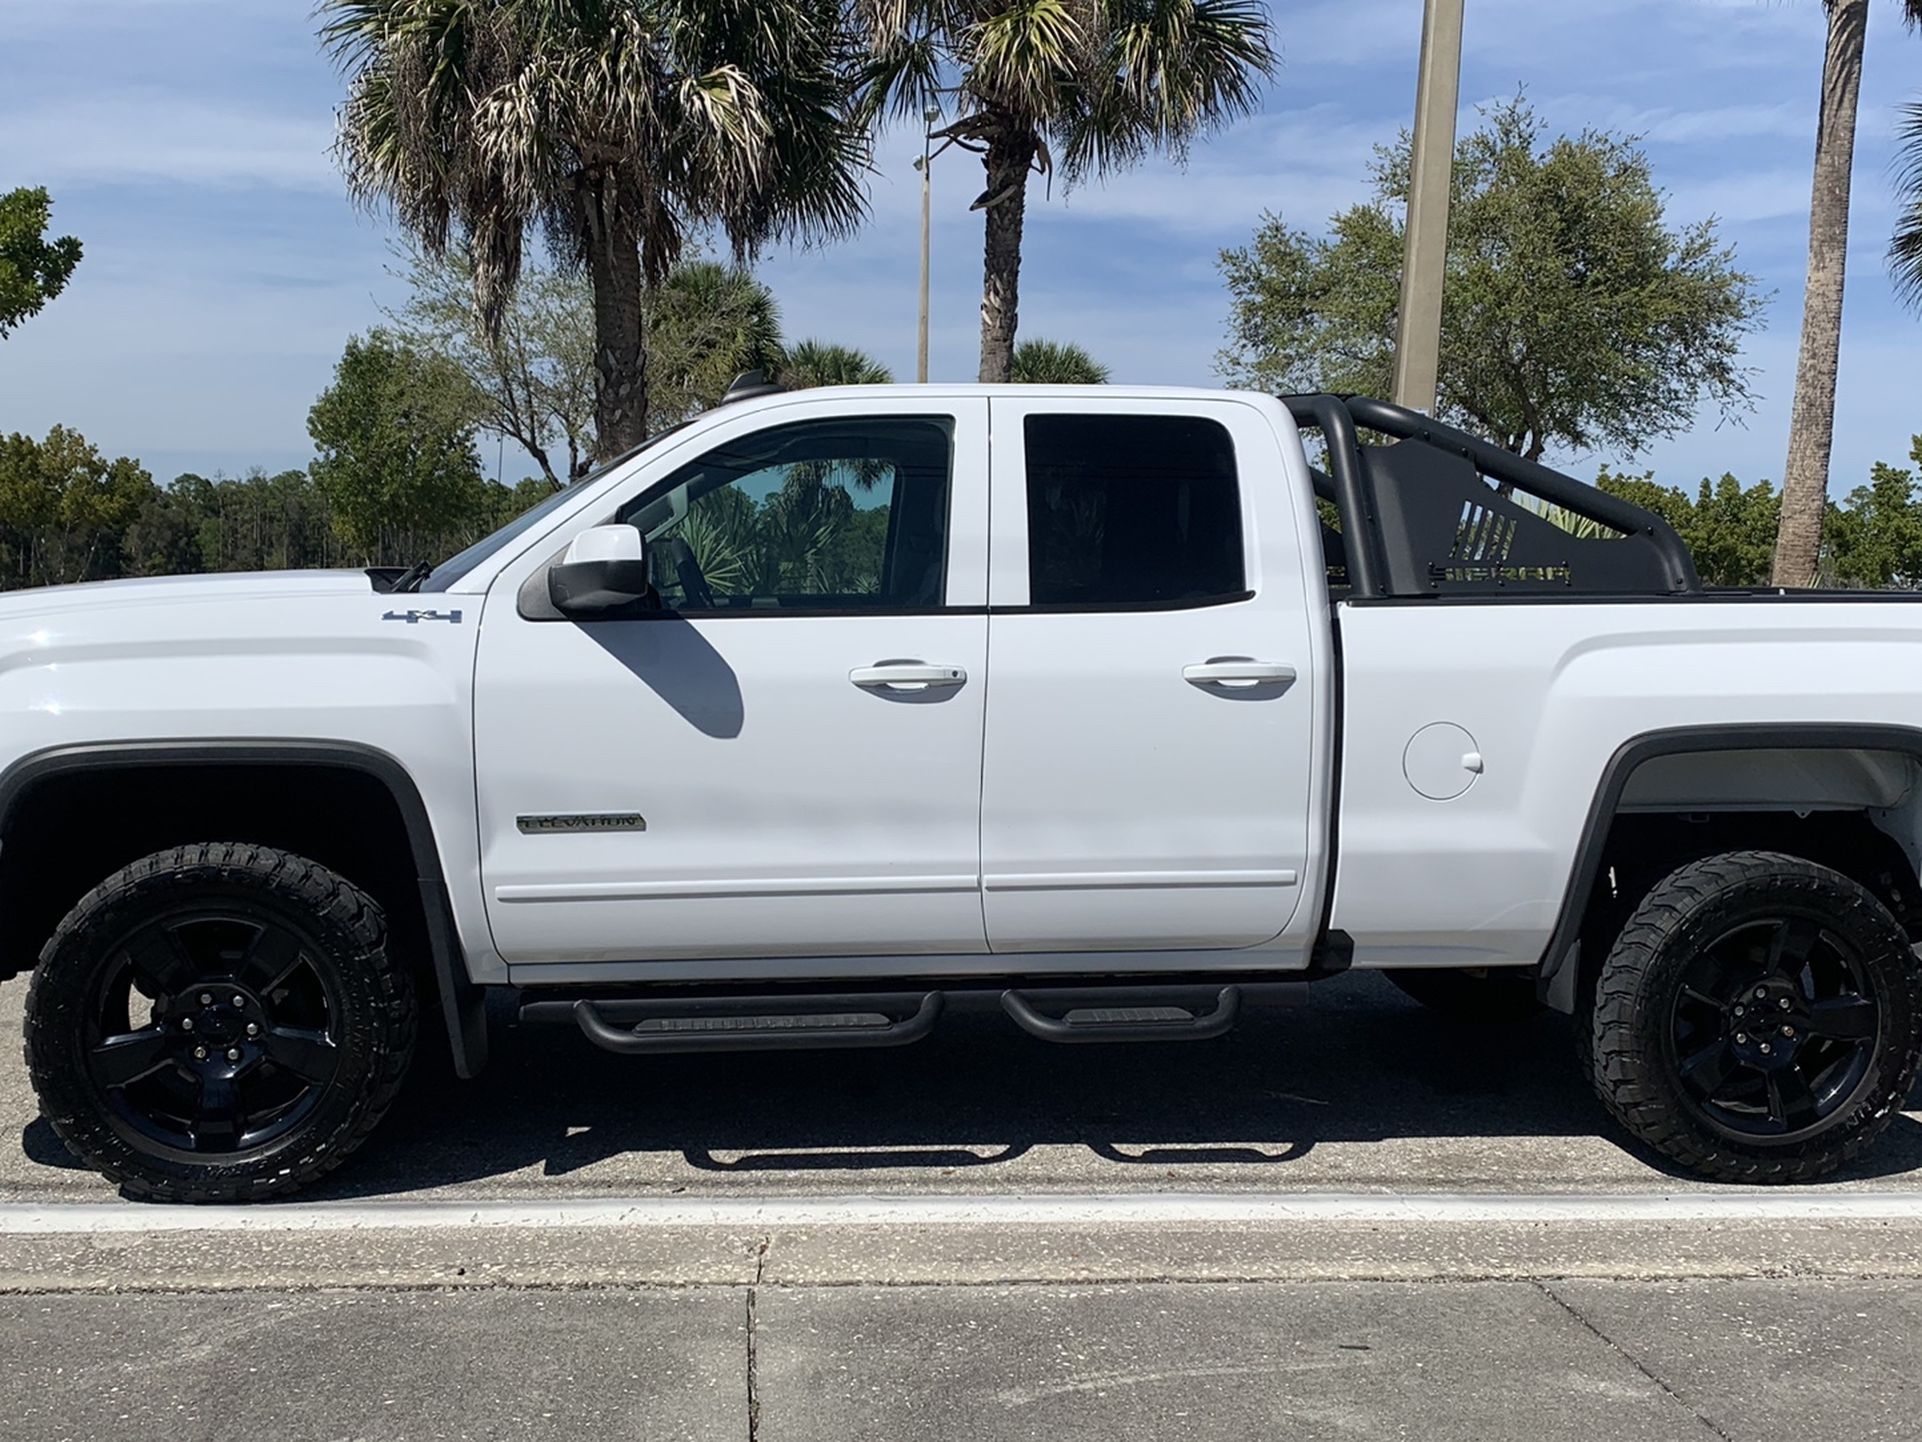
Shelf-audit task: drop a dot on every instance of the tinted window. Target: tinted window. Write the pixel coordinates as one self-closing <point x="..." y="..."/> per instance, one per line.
<point x="819" y="515"/>
<point x="1131" y="511"/>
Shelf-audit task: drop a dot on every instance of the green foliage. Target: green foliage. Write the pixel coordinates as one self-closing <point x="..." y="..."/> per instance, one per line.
<point x="706" y="324"/>
<point x="395" y="457"/>
<point x="820" y="363"/>
<point x="1874" y="538"/>
<point x="1905" y="250"/>
<point x="531" y="378"/>
<point x="1103" y="81"/>
<point x="33" y="269"/>
<point x="1100" y="83"/>
<point x="618" y="127"/>
<point x="1729" y="528"/>
<point x="65" y="509"/>
<point x="1574" y="315"/>
<point x="1056" y="363"/>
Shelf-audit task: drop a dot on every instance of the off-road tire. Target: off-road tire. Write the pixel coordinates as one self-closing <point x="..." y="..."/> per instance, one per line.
<point x="1636" y="991"/>
<point x="1496" y="996"/>
<point x="374" y="1033"/>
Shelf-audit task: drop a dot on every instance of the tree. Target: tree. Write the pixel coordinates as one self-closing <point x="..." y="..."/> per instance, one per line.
<point x="820" y="363"/>
<point x="530" y="378"/>
<point x="1875" y="536"/>
<point x="1101" y="82"/>
<point x="1059" y="363"/>
<point x="1728" y="528"/>
<point x="65" y="508"/>
<point x="33" y="269"/>
<point x="1575" y="316"/>
<point x="1805" y="481"/>
<point x="395" y="457"/>
<point x="705" y="325"/>
<point x="618" y="125"/>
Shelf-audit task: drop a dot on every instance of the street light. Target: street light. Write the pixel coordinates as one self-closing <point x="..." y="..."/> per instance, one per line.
<point x="925" y="164"/>
<point x="1432" y="167"/>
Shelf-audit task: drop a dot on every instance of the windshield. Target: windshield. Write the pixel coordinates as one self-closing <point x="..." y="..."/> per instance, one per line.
<point x="459" y="564"/>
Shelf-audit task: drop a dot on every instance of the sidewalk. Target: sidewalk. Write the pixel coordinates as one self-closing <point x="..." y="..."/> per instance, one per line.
<point x="1188" y="1362"/>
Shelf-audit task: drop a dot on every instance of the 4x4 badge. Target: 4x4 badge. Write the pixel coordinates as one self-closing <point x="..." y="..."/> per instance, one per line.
<point x="411" y="617"/>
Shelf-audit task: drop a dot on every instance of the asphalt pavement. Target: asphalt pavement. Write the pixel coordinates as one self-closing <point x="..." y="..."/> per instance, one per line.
<point x="1351" y="1220"/>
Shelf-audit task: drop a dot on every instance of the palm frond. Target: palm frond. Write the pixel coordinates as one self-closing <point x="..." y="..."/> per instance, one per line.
<point x="1024" y="53"/>
<point x="1905" y="250"/>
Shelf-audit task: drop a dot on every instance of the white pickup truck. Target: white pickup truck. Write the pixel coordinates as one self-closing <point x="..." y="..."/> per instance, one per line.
<point x="839" y="710"/>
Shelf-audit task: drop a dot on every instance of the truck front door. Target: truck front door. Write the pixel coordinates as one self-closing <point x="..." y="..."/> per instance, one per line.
<point x="783" y="758"/>
<point x="1156" y="743"/>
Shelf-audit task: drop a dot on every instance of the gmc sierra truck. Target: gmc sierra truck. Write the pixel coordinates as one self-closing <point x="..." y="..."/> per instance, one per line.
<point x="836" y="711"/>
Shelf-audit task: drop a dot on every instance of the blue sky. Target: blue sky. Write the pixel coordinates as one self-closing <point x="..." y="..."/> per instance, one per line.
<point x="186" y="143"/>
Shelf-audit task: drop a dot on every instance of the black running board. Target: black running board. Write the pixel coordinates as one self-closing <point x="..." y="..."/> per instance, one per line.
<point x="1119" y="1017"/>
<point x="1119" y="1010"/>
<point x="752" y="1024"/>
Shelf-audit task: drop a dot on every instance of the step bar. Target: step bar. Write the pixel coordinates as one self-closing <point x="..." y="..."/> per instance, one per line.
<point x="660" y="1025"/>
<point x="751" y="1024"/>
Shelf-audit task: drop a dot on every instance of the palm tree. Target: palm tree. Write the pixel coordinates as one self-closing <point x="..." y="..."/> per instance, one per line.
<point x="617" y="126"/>
<point x="1905" y="251"/>
<point x="706" y="323"/>
<point x="1100" y="81"/>
<point x="1805" y="480"/>
<point x="819" y="363"/>
<point x="1056" y="363"/>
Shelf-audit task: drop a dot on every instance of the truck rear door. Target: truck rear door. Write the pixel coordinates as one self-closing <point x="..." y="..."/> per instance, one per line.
<point x="1156" y="743"/>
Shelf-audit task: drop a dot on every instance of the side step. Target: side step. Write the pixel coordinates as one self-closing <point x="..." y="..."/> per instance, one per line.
<point x="1104" y="1020"/>
<point x="642" y="1023"/>
<point x="665" y="1026"/>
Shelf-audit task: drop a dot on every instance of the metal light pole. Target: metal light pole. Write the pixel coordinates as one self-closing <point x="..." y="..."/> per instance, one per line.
<point x="926" y="166"/>
<point x="1425" y="254"/>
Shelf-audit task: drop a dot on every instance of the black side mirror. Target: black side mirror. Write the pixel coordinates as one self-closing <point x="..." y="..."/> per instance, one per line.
<point x="604" y="569"/>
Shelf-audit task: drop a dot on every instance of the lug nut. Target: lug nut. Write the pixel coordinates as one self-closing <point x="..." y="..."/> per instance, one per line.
<point x="200" y="1053"/>
<point x="253" y="1028"/>
<point x="1740" y="1010"/>
<point x="1761" y="993"/>
<point x="1766" y="1048"/>
<point x="1788" y="1031"/>
<point x="186" y="1023"/>
<point x="240" y="1001"/>
<point x="1741" y="1038"/>
<point x="1785" y="1003"/>
<point x="233" y="1053"/>
<point x="206" y="998"/>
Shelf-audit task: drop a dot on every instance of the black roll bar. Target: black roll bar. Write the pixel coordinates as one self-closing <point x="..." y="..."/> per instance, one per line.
<point x="1338" y="416"/>
<point x="1331" y="417"/>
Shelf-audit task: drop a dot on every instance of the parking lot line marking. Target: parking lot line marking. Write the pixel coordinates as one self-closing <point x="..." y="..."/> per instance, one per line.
<point x="1156" y="1209"/>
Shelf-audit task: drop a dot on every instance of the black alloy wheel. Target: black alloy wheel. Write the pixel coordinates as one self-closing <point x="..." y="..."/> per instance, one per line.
<point x="1774" y="1028"/>
<point x="210" y="1031"/>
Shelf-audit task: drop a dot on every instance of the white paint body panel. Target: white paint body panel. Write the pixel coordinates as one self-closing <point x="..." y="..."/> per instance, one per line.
<point x="1550" y="693"/>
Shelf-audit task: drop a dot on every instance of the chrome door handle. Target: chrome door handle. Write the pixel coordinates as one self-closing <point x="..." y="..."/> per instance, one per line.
<point x="906" y="676"/>
<point x="1238" y="673"/>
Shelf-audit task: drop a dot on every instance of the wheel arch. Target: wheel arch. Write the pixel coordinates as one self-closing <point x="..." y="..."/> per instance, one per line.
<point x="462" y="1002"/>
<point x="1560" y="971"/>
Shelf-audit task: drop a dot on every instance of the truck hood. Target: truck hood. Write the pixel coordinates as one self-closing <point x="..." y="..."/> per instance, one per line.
<point x="236" y="588"/>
